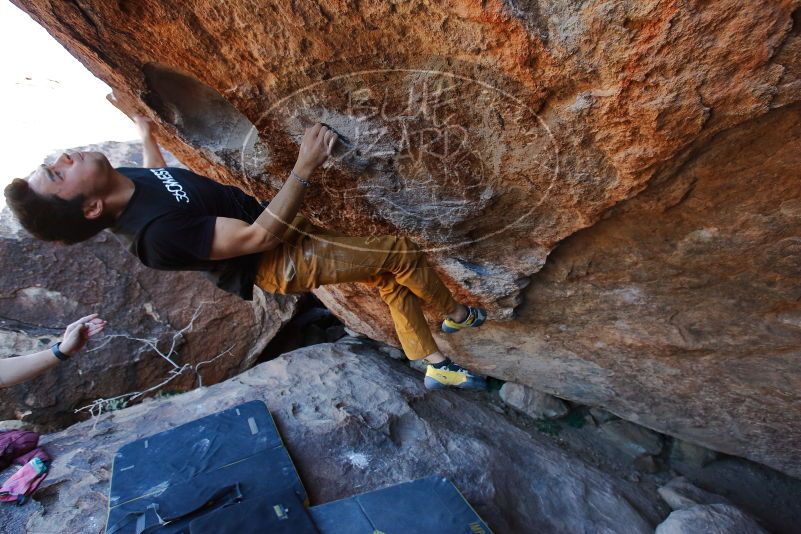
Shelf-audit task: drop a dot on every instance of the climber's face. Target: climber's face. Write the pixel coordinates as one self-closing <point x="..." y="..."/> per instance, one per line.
<point x="73" y="174"/>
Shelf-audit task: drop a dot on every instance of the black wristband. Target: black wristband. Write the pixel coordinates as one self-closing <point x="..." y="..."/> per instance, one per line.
<point x="57" y="352"/>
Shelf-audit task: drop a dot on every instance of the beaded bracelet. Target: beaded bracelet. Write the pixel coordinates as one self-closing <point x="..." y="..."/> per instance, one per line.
<point x="303" y="182"/>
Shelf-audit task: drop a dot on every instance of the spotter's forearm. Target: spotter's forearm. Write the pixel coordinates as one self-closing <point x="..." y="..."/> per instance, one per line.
<point x="14" y="371"/>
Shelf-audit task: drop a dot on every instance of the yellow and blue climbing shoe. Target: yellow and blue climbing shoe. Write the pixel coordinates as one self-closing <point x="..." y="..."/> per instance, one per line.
<point x="448" y="374"/>
<point x="475" y="317"/>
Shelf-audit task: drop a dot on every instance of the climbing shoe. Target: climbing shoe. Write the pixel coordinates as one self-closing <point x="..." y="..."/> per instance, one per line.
<point x="448" y="374"/>
<point x="475" y="317"/>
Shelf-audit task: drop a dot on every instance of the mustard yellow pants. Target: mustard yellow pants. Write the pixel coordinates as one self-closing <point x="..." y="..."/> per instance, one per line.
<point x="311" y="257"/>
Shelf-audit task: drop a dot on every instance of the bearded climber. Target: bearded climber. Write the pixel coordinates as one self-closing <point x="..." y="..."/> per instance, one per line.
<point x="174" y="219"/>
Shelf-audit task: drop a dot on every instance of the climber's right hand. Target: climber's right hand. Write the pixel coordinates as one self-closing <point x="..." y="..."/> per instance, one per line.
<point x="318" y="143"/>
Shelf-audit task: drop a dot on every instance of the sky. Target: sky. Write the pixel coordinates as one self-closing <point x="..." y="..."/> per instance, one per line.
<point x="48" y="100"/>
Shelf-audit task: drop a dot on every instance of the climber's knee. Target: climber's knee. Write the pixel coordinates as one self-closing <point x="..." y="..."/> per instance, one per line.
<point x="403" y="255"/>
<point x="408" y="250"/>
<point x="408" y="244"/>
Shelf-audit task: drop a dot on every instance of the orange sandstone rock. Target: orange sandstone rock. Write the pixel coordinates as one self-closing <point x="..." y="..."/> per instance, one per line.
<point x="616" y="181"/>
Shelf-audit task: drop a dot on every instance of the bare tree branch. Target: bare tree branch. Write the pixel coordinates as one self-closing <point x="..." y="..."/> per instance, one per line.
<point x="97" y="407"/>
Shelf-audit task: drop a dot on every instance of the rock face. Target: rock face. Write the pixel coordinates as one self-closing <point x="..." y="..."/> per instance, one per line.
<point x="632" y="439"/>
<point x="697" y="510"/>
<point x="354" y="420"/>
<point x="45" y="286"/>
<point x="533" y="403"/>
<point x="679" y="493"/>
<point x="685" y="456"/>
<point x="712" y="519"/>
<point x="616" y="181"/>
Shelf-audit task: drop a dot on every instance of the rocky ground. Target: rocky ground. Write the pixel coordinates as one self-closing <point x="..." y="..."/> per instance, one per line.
<point x="354" y="418"/>
<point x="640" y="455"/>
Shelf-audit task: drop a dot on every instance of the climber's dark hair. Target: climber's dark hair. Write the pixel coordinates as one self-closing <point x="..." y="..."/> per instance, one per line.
<point x="51" y="218"/>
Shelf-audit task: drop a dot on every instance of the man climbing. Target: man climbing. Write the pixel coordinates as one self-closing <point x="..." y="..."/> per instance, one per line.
<point x="174" y="219"/>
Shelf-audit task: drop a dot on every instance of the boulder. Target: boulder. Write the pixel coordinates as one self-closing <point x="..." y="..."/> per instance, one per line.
<point x="353" y="333"/>
<point x="617" y="182"/>
<point x="680" y="493"/>
<point x="710" y="519"/>
<point x="646" y="463"/>
<point x="599" y="415"/>
<point x="533" y="403"/>
<point x="632" y="439"/>
<point x="208" y="334"/>
<point x="354" y="420"/>
<point x="393" y="352"/>
<point x="688" y="457"/>
<point x="772" y="497"/>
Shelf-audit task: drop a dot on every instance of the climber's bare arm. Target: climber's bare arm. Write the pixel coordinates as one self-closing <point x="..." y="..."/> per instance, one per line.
<point x="151" y="153"/>
<point x="233" y="237"/>
<point x="16" y="370"/>
<point x="318" y="142"/>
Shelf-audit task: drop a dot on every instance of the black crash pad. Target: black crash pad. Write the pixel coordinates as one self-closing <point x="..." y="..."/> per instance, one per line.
<point x="273" y="513"/>
<point x="192" y="469"/>
<point x="430" y="505"/>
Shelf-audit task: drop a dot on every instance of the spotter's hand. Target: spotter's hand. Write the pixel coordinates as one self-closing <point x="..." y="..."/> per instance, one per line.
<point x="78" y="333"/>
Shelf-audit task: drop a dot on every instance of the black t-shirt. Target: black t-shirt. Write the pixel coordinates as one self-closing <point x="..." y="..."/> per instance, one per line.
<point x="169" y="224"/>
